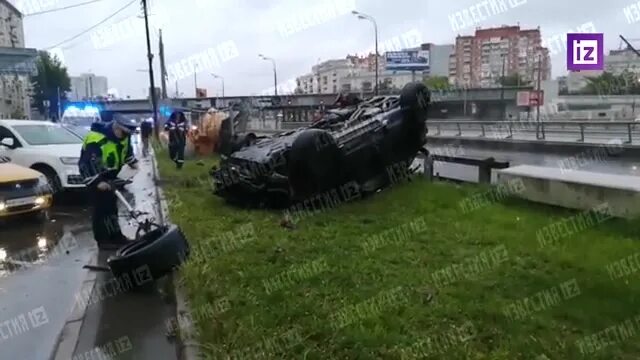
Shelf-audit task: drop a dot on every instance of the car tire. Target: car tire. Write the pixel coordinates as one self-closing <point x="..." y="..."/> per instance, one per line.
<point x="154" y="255"/>
<point x="314" y="163"/>
<point x="415" y="97"/>
<point x="52" y="177"/>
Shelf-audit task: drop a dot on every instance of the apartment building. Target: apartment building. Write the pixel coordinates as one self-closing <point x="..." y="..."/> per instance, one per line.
<point x="478" y="60"/>
<point x="619" y="61"/>
<point x="325" y="77"/>
<point x="16" y="64"/>
<point x="88" y="86"/>
<point x="357" y="73"/>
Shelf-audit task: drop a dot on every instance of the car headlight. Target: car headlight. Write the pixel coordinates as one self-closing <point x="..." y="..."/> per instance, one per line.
<point x="3" y="206"/>
<point x="70" y="160"/>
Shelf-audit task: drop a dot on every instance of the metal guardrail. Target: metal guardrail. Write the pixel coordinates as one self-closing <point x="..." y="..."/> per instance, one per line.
<point x="628" y="130"/>
<point x="506" y="129"/>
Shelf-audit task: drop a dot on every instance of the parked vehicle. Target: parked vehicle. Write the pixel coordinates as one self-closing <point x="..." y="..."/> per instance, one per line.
<point x="79" y="121"/>
<point x="46" y="147"/>
<point x="366" y="145"/>
<point x="22" y="190"/>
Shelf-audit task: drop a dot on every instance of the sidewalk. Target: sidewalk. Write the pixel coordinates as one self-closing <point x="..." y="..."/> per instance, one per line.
<point x="119" y="323"/>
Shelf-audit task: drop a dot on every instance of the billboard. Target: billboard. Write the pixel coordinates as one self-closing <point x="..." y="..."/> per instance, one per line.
<point x="408" y="60"/>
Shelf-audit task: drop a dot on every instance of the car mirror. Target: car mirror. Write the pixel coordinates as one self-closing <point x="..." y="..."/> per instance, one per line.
<point x="8" y="142"/>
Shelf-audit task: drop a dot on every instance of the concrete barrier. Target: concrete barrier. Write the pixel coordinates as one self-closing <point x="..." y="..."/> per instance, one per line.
<point x="575" y="189"/>
<point x="623" y="151"/>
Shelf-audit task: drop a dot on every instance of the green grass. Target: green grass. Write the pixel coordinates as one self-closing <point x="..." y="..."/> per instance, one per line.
<point x="288" y="290"/>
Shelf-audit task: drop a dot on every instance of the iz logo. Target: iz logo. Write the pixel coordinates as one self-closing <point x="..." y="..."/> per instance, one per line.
<point x="585" y="52"/>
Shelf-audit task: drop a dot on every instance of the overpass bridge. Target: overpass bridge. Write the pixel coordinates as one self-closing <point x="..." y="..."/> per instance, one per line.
<point x="299" y="107"/>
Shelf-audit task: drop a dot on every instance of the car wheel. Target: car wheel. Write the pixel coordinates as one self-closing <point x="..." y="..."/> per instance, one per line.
<point x="52" y="177"/>
<point x="151" y="257"/>
<point x="415" y="97"/>
<point x="314" y="163"/>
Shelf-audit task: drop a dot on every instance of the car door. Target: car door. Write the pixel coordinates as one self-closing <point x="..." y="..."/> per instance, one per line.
<point x="15" y="155"/>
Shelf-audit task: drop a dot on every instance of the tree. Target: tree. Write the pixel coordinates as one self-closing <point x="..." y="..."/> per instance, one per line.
<point x="437" y="83"/>
<point x="611" y="84"/>
<point x="18" y="114"/>
<point x="52" y="78"/>
<point x="513" y="80"/>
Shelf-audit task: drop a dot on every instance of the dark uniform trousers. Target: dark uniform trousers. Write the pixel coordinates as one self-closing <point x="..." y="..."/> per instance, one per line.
<point x="176" y="152"/>
<point x="177" y="143"/>
<point x="105" y="223"/>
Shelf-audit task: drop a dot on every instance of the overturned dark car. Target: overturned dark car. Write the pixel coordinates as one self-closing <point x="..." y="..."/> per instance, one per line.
<point x="358" y="148"/>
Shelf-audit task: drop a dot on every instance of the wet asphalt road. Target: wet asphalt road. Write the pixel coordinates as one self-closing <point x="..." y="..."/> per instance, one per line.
<point x="39" y="277"/>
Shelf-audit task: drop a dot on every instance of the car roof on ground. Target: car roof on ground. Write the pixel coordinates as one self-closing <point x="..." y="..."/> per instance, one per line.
<point x="11" y="122"/>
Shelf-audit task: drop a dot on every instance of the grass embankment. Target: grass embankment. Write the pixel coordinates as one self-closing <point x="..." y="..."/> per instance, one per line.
<point x="407" y="274"/>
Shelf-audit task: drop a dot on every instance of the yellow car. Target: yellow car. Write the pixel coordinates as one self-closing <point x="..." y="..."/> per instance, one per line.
<point x="22" y="190"/>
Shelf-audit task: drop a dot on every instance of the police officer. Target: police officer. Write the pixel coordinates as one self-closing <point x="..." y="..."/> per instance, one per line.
<point x="177" y="128"/>
<point x="106" y="149"/>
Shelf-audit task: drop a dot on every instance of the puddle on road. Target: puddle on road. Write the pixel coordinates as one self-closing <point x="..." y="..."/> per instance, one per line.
<point x="25" y="242"/>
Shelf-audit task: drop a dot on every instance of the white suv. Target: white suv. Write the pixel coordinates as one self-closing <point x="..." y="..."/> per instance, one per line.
<point x="43" y="146"/>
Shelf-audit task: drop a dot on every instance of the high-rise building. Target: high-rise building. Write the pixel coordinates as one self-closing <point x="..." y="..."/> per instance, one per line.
<point x="619" y="61"/>
<point x="11" y="29"/>
<point x="88" y="86"/>
<point x="357" y="73"/>
<point x="479" y="60"/>
<point x="16" y="64"/>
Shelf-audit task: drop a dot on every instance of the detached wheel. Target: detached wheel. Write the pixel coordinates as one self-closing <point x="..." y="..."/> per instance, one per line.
<point x="151" y="257"/>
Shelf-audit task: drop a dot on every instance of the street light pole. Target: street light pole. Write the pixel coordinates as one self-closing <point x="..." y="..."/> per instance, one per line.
<point x="222" y="79"/>
<point x="375" y="28"/>
<point x="502" y="106"/>
<point x="275" y="72"/>
<point x="195" y="80"/>
<point x="154" y="103"/>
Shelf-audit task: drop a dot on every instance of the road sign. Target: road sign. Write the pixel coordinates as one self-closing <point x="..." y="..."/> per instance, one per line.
<point x="536" y="96"/>
<point x="201" y="93"/>
<point x="529" y="98"/>
<point x="408" y="60"/>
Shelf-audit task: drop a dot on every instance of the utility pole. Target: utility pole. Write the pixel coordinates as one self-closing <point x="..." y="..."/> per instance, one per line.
<point x="195" y="80"/>
<point x="154" y="103"/>
<point x="502" y="107"/>
<point x="539" y="93"/>
<point x="59" y="105"/>
<point x="163" y="69"/>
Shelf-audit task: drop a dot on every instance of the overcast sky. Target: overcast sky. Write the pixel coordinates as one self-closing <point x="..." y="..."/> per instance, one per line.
<point x="227" y="35"/>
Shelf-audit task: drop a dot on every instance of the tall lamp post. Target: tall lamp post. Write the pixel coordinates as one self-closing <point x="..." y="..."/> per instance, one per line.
<point x="195" y="80"/>
<point x="221" y="78"/>
<point x="275" y="74"/>
<point x="362" y="16"/>
<point x="154" y="103"/>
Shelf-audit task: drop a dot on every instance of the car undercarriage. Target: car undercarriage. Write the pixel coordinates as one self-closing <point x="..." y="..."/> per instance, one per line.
<point x="363" y="146"/>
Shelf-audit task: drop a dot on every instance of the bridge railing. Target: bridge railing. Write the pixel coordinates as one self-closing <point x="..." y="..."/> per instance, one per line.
<point x="544" y="130"/>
